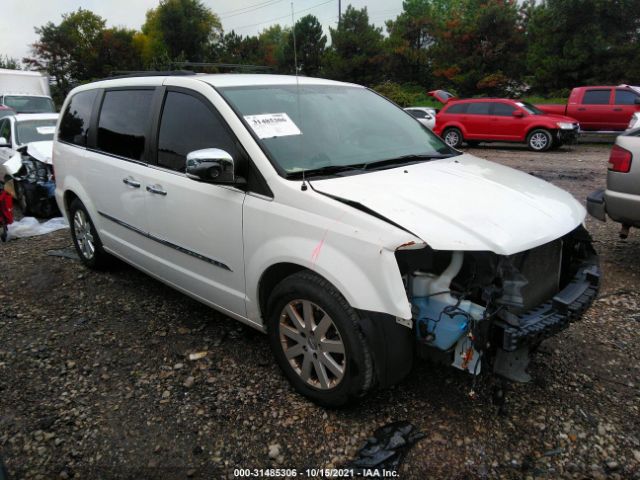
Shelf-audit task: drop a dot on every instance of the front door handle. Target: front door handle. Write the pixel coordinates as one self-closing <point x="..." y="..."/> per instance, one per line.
<point x="157" y="189"/>
<point x="131" y="182"/>
<point x="617" y="109"/>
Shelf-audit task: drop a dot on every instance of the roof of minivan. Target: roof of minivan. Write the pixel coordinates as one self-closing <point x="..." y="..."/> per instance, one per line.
<point x="216" y="80"/>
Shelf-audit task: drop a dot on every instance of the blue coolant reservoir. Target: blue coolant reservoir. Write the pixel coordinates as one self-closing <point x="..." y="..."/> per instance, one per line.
<point x="443" y="330"/>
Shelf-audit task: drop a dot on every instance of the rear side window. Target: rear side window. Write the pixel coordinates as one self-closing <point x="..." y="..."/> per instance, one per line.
<point x="188" y="124"/>
<point x="418" y="113"/>
<point x="124" y="121"/>
<point x="74" y="126"/>
<point x="458" y="108"/>
<point x="503" y="109"/>
<point x="596" y="97"/>
<point x="625" y="97"/>
<point x="479" y="108"/>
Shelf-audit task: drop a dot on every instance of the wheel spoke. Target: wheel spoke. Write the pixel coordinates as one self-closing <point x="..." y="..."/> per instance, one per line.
<point x="332" y="346"/>
<point x="294" y="351"/>
<point x="295" y="318"/>
<point x="321" y="373"/>
<point x="328" y="361"/>
<point x="305" y="372"/>
<point x="307" y="310"/>
<point x="293" y="334"/>
<point x="321" y="330"/>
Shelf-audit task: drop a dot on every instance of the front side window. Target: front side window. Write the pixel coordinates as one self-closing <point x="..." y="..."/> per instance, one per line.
<point x="596" y="97"/>
<point x="74" y="126"/>
<point x="323" y="127"/>
<point x="625" y="97"/>
<point x="29" y="104"/>
<point x="503" y="109"/>
<point x="124" y="121"/>
<point x="35" y="131"/>
<point x="479" y="108"/>
<point x="188" y="124"/>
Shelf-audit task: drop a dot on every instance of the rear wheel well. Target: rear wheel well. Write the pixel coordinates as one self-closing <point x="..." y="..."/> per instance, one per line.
<point x="69" y="197"/>
<point x="272" y="277"/>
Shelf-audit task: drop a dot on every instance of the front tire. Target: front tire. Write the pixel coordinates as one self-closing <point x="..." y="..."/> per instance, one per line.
<point x="539" y="140"/>
<point x="317" y="340"/>
<point x="453" y="137"/>
<point x="85" y="237"/>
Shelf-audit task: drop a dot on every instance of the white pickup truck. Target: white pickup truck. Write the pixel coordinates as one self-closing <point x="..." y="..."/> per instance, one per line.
<point x="25" y="92"/>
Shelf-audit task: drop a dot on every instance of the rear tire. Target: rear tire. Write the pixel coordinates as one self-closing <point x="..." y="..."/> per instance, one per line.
<point x="452" y="136"/>
<point x="85" y="237"/>
<point x="317" y="340"/>
<point x="539" y="140"/>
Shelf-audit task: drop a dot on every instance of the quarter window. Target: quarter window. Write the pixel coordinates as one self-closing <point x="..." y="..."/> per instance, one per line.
<point x="503" y="109"/>
<point x="187" y="125"/>
<point x="124" y="121"/>
<point x="625" y="97"/>
<point x="479" y="108"/>
<point x="596" y="97"/>
<point x="74" y="126"/>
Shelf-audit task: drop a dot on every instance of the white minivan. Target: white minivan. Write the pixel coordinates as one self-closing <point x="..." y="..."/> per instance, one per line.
<point x="325" y="216"/>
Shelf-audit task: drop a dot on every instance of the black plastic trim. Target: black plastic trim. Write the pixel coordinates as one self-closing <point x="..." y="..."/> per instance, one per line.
<point x="167" y="243"/>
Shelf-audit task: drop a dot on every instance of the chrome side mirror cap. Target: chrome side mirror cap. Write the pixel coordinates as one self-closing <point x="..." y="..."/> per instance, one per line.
<point x="211" y="165"/>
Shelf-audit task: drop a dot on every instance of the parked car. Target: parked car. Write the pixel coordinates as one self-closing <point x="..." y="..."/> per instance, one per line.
<point x="323" y="215"/>
<point x="26" y="143"/>
<point x="634" y="122"/>
<point x="426" y="116"/>
<point x="600" y="108"/>
<point x="502" y="120"/>
<point x="620" y="201"/>
<point x="25" y="92"/>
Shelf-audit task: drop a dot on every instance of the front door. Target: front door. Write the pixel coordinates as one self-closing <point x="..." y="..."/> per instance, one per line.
<point x="197" y="225"/>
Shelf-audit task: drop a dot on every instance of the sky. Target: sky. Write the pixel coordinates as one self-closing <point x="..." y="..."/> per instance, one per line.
<point x="246" y="17"/>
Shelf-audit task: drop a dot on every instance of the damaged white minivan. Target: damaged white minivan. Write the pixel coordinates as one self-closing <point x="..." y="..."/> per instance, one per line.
<point x="324" y="215"/>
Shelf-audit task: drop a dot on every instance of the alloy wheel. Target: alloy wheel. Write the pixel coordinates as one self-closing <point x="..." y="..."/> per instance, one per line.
<point x="84" y="237"/>
<point x="539" y="141"/>
<point x="312" y="344"/>
<point x="452" y="138"/>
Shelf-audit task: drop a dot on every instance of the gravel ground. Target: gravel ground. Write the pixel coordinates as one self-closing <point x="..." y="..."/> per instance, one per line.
<point x="96" y="381"/>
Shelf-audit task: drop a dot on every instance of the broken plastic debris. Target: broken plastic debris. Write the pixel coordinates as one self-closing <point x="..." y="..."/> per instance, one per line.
<point x="31" y="227"/>
<point x="197" y="355"/>
<point x="386" y="449"/>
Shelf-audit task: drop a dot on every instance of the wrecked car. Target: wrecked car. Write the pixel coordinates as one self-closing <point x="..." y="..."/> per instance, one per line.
<point x="323" y="215"/>
<point x="26" y="143"/>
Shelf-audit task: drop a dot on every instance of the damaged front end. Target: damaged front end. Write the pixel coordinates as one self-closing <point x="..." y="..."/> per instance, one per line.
<point x="478" y="309"/>
<point x="34" y="184"/>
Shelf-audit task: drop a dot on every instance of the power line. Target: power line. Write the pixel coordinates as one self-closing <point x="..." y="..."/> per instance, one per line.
<point x="249" y="9"/>
<point x="284" y="16"/>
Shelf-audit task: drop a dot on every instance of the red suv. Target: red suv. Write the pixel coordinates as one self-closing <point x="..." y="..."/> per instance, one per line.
<point x="502" y="120"/>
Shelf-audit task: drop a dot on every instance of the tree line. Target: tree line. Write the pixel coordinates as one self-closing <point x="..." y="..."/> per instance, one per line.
<point x="471" y="47"/>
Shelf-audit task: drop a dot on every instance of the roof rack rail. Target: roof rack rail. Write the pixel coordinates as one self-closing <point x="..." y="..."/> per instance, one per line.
<point x="238" y="66"/>
<point x="149" y="73"/>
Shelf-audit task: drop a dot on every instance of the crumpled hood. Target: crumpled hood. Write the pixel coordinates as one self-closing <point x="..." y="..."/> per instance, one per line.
<point x="41" y="151"/>
<point x="464" y="203"/>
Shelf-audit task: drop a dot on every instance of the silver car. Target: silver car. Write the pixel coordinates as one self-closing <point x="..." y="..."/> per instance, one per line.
<point x="425" y="115"/>
<point x="620" y="201"/>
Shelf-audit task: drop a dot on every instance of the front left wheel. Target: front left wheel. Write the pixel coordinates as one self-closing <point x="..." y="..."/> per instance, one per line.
<point x="539" y="140"/>
<point x="317" y="340"/>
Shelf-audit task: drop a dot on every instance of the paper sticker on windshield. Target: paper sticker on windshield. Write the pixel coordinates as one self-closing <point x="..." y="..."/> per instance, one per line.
<point x="46" y="130"/>
<point x="272" y="125"/>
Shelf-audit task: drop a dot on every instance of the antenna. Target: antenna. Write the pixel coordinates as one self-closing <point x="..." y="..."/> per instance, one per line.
<point x="303" y="187"/>
<point x="295" y="48"/>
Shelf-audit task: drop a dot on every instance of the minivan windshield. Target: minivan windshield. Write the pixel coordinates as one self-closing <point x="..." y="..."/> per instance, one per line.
<point x="331" y="128"/>
<point x="29" y="104"/>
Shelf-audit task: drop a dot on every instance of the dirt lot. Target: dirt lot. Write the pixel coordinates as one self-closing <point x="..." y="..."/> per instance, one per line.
<point x="95" y="381"/>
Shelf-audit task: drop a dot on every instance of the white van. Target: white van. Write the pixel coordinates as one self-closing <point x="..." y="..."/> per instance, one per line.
<point x="25" y="92"/>
<point x="325" y="216"/>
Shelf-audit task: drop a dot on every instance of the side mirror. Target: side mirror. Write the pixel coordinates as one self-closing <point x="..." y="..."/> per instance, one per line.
<point x="4" y="142"/>
<point x="518" y="113"/>
<point x="211" y="165"/>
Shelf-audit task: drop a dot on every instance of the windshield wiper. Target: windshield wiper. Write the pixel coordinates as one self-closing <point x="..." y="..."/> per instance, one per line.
<point x="326" y="170"/>
<point x="404" y="160"/>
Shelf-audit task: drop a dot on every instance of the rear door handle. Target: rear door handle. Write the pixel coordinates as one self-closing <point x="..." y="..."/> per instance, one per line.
<point x="131" y="182"/>
<point x="157" y="189"/>
<point x="582" y="109"/>
<point x="617" y="109"/>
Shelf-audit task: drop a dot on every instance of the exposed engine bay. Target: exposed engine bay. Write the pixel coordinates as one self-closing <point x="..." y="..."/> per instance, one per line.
<point x="478" y="310"/>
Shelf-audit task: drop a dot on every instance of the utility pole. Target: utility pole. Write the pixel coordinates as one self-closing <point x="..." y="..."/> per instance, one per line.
<point x="339" y="12"/>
